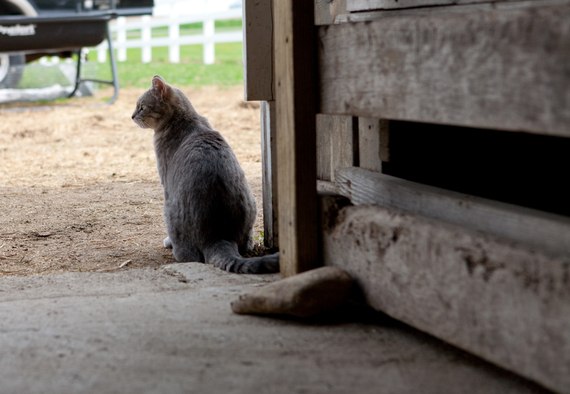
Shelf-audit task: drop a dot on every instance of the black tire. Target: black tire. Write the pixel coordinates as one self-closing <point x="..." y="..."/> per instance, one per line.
<point x="12" y="66"/>
<point x="14" y="72"/>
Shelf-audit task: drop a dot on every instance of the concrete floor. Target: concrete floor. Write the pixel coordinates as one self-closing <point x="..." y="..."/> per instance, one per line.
<point x="171" y="330"/>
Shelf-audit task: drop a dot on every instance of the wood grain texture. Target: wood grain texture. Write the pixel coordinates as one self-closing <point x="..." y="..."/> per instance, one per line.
<point x="324" y="148"/>
<point x="327" y="187"/>
<point x="258" y="50"/>
<point x="337" y="144"/>
<point x="460" y="7"/>
<point x="296" y="140"/>
<point x="501" y="69"/>
<point x="363" y="5"/>
<point x="373" y="135"/>
<point x="269" y="173"/>
<point x="528" y="228"/>
<point x="344" y="142"/>
<point x="504" y="303"/>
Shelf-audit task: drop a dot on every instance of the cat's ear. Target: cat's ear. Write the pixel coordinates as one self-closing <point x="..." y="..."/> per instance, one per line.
<point x="159" y="85"/>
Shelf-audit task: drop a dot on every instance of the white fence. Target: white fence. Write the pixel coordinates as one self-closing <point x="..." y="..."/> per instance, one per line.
<point x="174" y="40"/>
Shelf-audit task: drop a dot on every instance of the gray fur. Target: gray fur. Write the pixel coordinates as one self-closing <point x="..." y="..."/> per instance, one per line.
<point x="209" y="208"/>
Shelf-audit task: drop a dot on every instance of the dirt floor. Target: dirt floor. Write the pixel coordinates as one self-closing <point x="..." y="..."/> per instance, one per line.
<point x="79" y="189"/>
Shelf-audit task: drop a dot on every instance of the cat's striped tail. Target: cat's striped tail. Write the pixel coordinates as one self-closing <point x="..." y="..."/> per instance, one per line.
<point x="225" y="255"/>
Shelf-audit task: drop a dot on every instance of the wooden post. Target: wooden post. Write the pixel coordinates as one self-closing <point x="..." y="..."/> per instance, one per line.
<point x="296" y="138"/>
<point x="324" y="148"/>
<point x="373" y="135"/>
<point x="269" y="164"/>
<point x="257" y="24"/>
<point x="258" y="85"/>
<point x="337" y="144"/>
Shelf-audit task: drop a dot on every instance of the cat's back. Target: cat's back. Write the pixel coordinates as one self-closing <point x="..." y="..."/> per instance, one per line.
<point x="206" y="148"/>
<point x="200" y="156"/>
<point x="203" y="143"/>
<point x="206" y="187"/>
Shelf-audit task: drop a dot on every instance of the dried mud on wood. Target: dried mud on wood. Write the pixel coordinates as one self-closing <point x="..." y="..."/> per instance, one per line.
<point x="79" y="189"/>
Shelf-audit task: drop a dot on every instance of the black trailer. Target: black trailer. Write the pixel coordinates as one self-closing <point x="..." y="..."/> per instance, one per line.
<point x="30" y="29"/>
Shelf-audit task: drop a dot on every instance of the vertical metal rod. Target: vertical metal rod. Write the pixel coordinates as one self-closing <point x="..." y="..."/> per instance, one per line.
<point x="78" y="75"/>
<point x="113" y="67"/>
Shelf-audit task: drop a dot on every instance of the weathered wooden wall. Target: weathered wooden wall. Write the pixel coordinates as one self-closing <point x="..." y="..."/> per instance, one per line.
<point x="499" y="300"/>
<point x="487" y="276"/>
<point x="259" y="84"/>
<point x="503" y="69"/>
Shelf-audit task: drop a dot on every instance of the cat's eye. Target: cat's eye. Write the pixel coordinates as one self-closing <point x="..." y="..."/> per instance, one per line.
<point x="143" y="107"/>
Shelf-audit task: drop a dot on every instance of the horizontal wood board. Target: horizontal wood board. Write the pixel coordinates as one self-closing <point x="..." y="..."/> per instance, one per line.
<point x="371" y="15"/>
<point x="503" y="69"/>
<point x="503" y="303"/>
<point x="363" y="5"/>
<point x="530" y="228"/>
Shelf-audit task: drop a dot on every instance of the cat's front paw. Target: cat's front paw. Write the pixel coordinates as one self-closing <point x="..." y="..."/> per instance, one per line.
<point x="167" y="243"/>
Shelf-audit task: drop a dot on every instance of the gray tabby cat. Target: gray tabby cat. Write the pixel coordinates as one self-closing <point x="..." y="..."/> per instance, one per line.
<point x="209" y="208"/>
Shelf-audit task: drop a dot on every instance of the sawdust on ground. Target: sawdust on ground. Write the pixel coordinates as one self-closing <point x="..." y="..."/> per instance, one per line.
<point x="79" y="189"/>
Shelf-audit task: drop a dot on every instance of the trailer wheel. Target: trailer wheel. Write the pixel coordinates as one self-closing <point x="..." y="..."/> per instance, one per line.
<point x="11" y="70"/>
<point x="11" y="66"/>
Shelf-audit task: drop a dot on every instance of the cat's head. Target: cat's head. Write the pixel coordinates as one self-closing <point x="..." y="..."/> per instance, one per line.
<point x="158" y="105"/>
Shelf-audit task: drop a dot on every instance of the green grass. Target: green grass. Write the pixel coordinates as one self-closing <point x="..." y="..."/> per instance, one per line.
<point x="228" y="69"/>
<point x="36" y="76"/>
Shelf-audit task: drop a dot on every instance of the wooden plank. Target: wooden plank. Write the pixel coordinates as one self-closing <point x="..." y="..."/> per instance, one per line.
<point x="364" y="5"/>
<point x="269" y="173"/>
<point x="337" y="144"/>
<point x="462" y="8"/>
<point x="507" y="304"/>
<point x="344" y="142"/>
<point x="296" y="140"/>
<point x="326" y="11"/>
<point x="527" y="227"/>
<point x="327" y="187"/>
<point x="373" y="135"/>
<point x="499" y="69"/>
<point x="324" y="148"/>
<point x="258" y="50"/>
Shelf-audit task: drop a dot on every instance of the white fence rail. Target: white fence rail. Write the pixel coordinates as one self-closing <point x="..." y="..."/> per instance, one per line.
<point x="174" y="40"/>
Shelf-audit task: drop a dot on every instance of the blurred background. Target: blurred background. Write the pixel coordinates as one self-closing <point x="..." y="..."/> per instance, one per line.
<point x="188" y="42"/>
